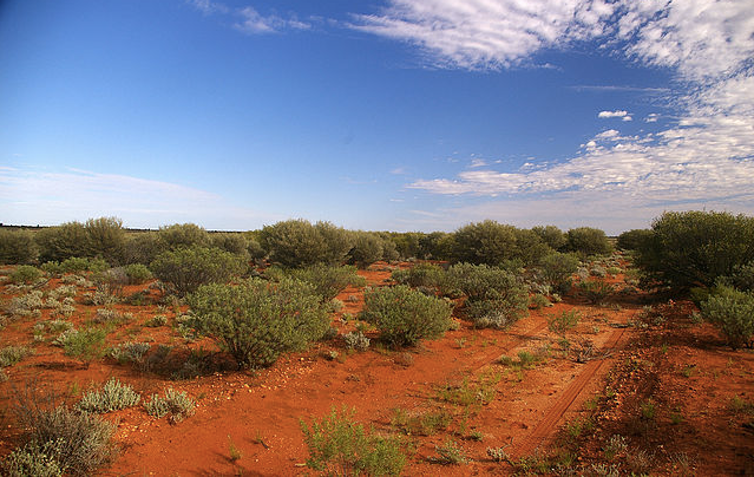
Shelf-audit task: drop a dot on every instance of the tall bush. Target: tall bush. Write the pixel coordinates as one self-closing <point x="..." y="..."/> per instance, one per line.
<point x="183" y="236"/>
<point x="17" y="247"/>
<point x="63" y="241"/>
<point x="556" y="270"/>
<point x="186" y="269"/>
<point x="733" y="312"/>
<point x="293" y="243"/>
<point x="485" y="242"/>
<point x="107" y="239"/>
<point x="367" y="249"/>
<point x="588" y="241"/>
<point x="256" y="321"/>
<point x="688" y="249"/>
<point x="632" y="239"/>
<point x="551" y="235"/>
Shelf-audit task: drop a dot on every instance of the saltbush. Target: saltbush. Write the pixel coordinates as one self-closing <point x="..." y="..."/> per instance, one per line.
<point x="327" y="280"/>
<point x="256" y="320"/>
<point x="340" y="446"/>
<point x="404" y="316"/>
<point x="112" y="397"/>
<point x="733" y="312"/>
<point x="688" y="249"/>
<point x="587" y="241"/>
<point x="176" y="405"/>
<point x="137" y="273"/>
<point x="186" y="269"/>
<point x="34" y="459"/>
<point x="17" y="247"/>
<point x="11" y="355"/>
<point x="25" y="274"/>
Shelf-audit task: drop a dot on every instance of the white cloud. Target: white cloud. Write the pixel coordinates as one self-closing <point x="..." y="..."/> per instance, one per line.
<point x="477" y="163"/>
<point x="34" y="197"/>
<point x="651" y="118"/>
<point x="254" y="23"/>
<point x="614" y="114"/>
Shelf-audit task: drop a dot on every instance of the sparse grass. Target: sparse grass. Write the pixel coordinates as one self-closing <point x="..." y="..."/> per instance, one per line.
<point x="233" y="451"/>
<point x="563" y="322"/>
<point x="176" y="405"/>
<point x="424" y="424"/>
<point x="468" y="393"/>
<point x="450" y="453"/>
<point x="11" y="355"/>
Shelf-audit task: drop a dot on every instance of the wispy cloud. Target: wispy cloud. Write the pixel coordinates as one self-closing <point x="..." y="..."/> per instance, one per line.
<point x="615" y="114"/>
<point x="248" y="19"/>
<point x="32" y="196"/>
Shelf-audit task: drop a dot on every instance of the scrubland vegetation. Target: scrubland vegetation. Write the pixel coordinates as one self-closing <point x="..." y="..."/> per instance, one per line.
<point x="259" y="295"/>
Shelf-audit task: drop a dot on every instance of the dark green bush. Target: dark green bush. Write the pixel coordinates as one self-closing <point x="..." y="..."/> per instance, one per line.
<point x="186" y="269"/>
<point x="81" y="264"/>
<point x="338" y="243"/>
<point x="137" y="273"/>
<point x="426" y="275"/>
<point x="485" y="242"/>
<point x="143" y="247"/>
<point x="367" y="249"/>
<point x="328" y="281"/>
<point x="556" y="270"/>
<point x="178" y="236"/>
<point x="106" y="239"/>
<point x="293" y="243"/>
<point x="85" y="345"/>
<point x="404" y="316"/>
<point x="436" y="246"/>
<point x="733" y="312"/>
<point x="551" y="235"/>
<point x="256" y="320"/>
<point x="235" y="243"/>
<point x="587" y="241"/>
<point x="17" y="247"/>
<point x="688" y="249"/>
<point x="632" y="239"/>
<point x="62" y="242"/>
<point x="340" y="446"/>
<point x="742" y="277"/>
<point x="25" y="274"/>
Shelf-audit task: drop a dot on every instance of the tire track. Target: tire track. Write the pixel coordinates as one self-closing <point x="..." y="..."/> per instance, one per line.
<point x="547" y="425"/>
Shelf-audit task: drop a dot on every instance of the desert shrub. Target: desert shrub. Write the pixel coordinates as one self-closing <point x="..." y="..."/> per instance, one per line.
<point x="426" y="275"/>
<point x="178" y="236"/>
<point x="78" y="443"/>
<point x="450" y="453"/>
<point x="404" y="316"/>
<point x="327" y="280"/>
<point x="76" y="265"/>
<point x="63" y="241"/>
<point x="562" y="322"/>
<point x="338" y="242"/>
<point x="112" y="397"/>
<point x="595" y="292"/>
<point x="588" y="241"/>
<point x="485" y="242"/>
<point x="106" y="239"/>
<point x="176" y="404"/>
<point x="156" y="321"/>
<point x="25" y="274"/>
<point x="367" y="249"/>
<point x="356" y="340"/>
<point x="143" y="247"/>
<point x="293" y="243"/>
<point x="732" y="311"/>
<point x="11" y="355"/>
<point x="85" y="345"/>
<point x="129" y="352"/>
<point x="17" y="247"/>
<point x="632" y="239"/>
<point x="256" y="320"/>
<point x="436" y="246"/>
<point x="556" y="270"/>
<point x="26" y="304"/>
<point x="688" y="249"/>
<point x="340" y="446"/>
<point x="186" y="269"/>
<point x="741" y="278"/>
<point x="137" y="273"/>
<point x="235" y="243"/>
<point x="530" y="247"/>
<point x="406" y="244"/>
<point x="35" y="459"/>
<point x="551" y="235"/>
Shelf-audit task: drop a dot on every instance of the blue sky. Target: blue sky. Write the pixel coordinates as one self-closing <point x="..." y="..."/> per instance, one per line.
<point x="381" y="115"/>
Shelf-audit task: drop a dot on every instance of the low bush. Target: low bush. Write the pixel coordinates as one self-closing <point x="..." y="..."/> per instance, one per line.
<point x="595" y="291"/>
<point x="427" y="275"/>
<point x="186" y="269"/>
<point x="25" y="274"/>
<point x="11" y="355"/>
<point x="176" y="405"/>
<point x="137" y="273"/>
<point x="556" y="270"/>
<point x="564" y="321"/>
<point x="733" y="312"/>
<point x="339" y="445"/>
<point x="356" y="340"/>
<point x="35" y="459"/>
<point x="404" y="316"/>
<point x="112" y="397"/>
<point x="85" y="345"/>
<point x="327" y="280"/>
<point x="129" y="352"/>
<point x="256" y="320"/>
<point x="587" y="241"/>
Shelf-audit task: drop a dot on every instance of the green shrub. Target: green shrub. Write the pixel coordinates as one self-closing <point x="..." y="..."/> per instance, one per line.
<point x="633" y="239"/>
<point x="367" y="249"/>
<point x="256" y="320"/>
<point x="79" y="443"/>
<point x="11" y="355"/>
<point x="85" y="345"/>
<point x="114" y="396"/>
<point x="62" y="242"/>
<point x="143" y="247"/>
<point x="34" y="460"/>
<point x="298" y="243"/>
<point x="436" y="246"/>
<point x="426" y="275"/>
<point x="564" y="321"/>
<point x="551" y="235"/>
<point x="340" y="446"/>
<point x="176" y="405"/>
<point x="733" y="312"/>
<point x="450" y="453"/>
<point x="356" y="340"/>
<point x="78" y="265"/>
<point x="327" y="280"/>
<point x="17" y="247"/>
<point x="137" y="273"/>
<point x="588" y="241"/>
<point x="129" y="352"/>
<point x="556" y="270"/>
<point x="106" y="239"/>
<point x="338" y="242"/>
<point x="742" y="277"/>
<point x="485" y="242"/>
<point x="178" y="236"/>
<point x="404" y="316"/>
<point x="595" y="292"/>
<point x="25" y="274"/>
<point x="688" y="249"/>
<point x="186" y="269"/>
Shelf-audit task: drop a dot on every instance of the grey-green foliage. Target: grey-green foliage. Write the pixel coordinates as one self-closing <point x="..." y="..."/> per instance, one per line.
<point x="551" y="235"/>
<point x="338" y="445"/>
<point x="11" y="355"/>
<point x="78" y="443"/>
<point x="34" y="459"/>
<point x="112" y="397"/>
<point x="130" y="352"/>
<point x="492" y="243"/>
<point x="176" y="404"/>
<point x="137" y="273"/>
<point x="25" y="274"/>
<point x="556" y="270"/>
<point x="405" y="316"/>
<point x="298" y="243"/>
<point x="186" y="269"/>
<point x="733" y="312"/>
<point x="588" y="241"/>
<point x="256" y="320"/>
<point x="178" y="236"/>
<point x="328" y="280"/>
<point x="106" y="239"/>
<point x="17" y="247"/>
<point x="496" y="297"/>
<point x="63" y="241"/>
<point x="427" y="275"/>
<point x="688" y="249"/>
<point x="368" y="247"/>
